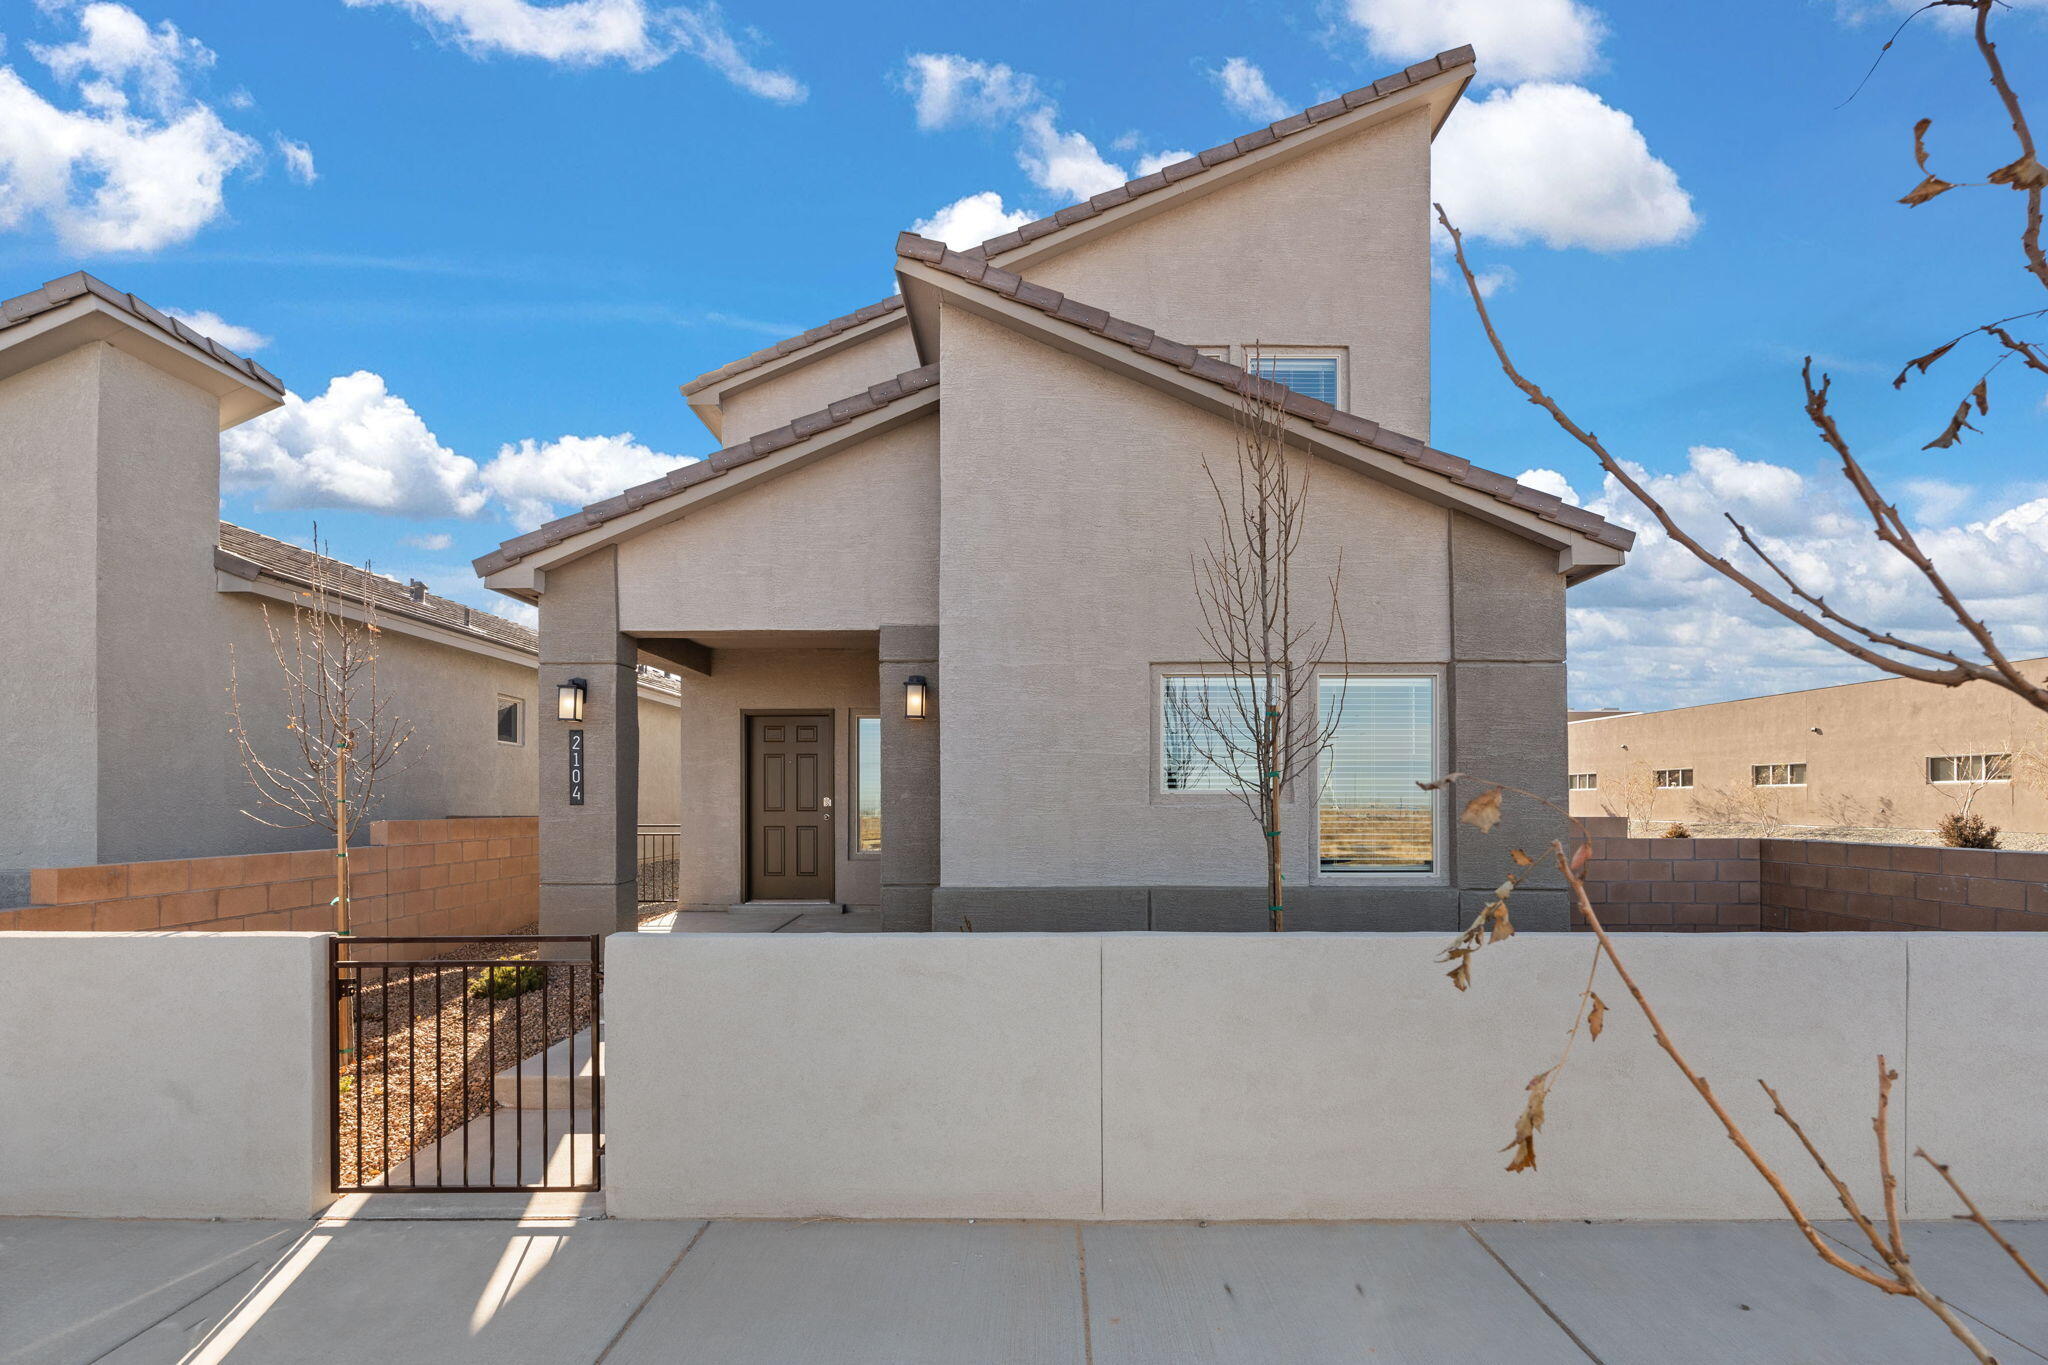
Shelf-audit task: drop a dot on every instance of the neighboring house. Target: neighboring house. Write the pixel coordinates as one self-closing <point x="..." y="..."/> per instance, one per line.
<point x="993" y="483"/>
<point x="122" y="594"/>
<point x="1891" y="753"/>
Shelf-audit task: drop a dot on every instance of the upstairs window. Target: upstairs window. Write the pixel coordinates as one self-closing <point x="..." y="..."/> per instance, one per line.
<point x="1777" y="775"/>
<point x="511" y="720"/>
<point x="1970" y="768"/>
<point x="1310" y="373"/>
<point x="1674" y="777"/>
<point x="1584" y="782"/>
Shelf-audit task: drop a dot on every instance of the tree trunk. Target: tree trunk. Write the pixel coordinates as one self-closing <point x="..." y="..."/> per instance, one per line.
<point x="1277" y="914"/>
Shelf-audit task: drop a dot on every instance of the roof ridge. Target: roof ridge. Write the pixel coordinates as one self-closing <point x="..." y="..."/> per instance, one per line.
<point x="790" y="345"/>
<point x="62" y="290"/>
<point x="1314" y="411"/>
<point x="1237" y="147"/>
<point x="836" y="414"/>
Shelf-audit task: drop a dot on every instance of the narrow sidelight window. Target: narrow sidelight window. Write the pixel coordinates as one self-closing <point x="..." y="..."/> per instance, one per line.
<point x="511" y="720"/>
<point x="867" y="777"/>
<point x="1371" y="816"/>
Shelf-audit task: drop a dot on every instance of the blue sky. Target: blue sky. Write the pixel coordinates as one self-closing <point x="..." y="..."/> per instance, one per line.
<point x="487" y="225"/>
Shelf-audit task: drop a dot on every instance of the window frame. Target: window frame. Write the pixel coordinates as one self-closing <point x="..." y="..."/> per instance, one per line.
<point x="1790" y="781"/>
<point x="1240" y="356"/>
<point x="1439" y="873"/>
<point x="1155" y="779"/>
<point x="519" y="724"/>
<point x="855" y="716"/>
<point x="1985" y="759"/>
<point x="1591" y="784"/>
<point x="1658" y="775"/>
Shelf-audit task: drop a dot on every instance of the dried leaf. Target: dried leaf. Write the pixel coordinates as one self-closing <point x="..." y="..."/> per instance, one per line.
<point x="1960" y="422"/>
<point x="1924" y="191"/>
<point x="1501" y="926"/>
<point x="1597" y="1018"/>
<point x="1920" y="142"/>
<point x="1526" y="1127"/>
<point x="1521" y="859"/>
<point x="1921" y="363"/>
<point x="2023" y="174"/>
<point x="1460" y="975"/>
<point x="1482" y="812"/>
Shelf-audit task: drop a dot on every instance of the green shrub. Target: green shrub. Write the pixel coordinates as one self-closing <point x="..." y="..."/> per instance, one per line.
<point x="1958" y="830"/>
<point x="510" y="979"/>
<point x="1676" y="831"/>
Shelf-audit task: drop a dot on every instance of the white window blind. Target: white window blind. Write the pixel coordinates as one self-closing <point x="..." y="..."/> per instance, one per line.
<point x="1314" y="375"/>
<point x="1371" y="817"/>
<point x="1205" y="734"/>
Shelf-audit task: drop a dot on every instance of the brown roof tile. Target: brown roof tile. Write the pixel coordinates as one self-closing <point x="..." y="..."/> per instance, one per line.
<point x="292" y="564"/>
<point x="58" y="292"/>
<point x="839" y="413"/>
<point x="1309" y="410"/>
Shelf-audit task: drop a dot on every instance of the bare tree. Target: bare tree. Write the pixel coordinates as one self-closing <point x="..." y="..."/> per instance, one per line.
<point x="1982" y="659"/>
<point x="1887" y="1244"/>
<point x="1259" y="727"/>
<point x="336" y="725"/>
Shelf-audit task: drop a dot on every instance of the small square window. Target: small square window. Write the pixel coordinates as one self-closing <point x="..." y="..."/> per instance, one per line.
<point x="1585" y="782"/>
<point x="511" y="720"/>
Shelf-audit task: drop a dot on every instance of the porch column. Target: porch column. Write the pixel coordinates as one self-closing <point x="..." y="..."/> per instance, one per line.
<point x="910" y="778"/>
<point x="588" y="867"/>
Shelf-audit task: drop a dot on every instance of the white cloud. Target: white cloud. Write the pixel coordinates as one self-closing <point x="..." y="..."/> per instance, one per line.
<point x="1557" y="165"/>
<point x="1246" y="92"/>
<point x="298" y="160"/>
<point x="536" y="481"/>
<point x="590" y="32"/>
<point x="1517" y="40"/>
<point x="971" y="221"/>
<point x="140" y="163"/>
<point x="434" y="543"/>
<point x="1154" y="161"/>
<point x="950" y="89"/>
<point x="357" y="445"/>
<point x="228" y="334"/>
<point x="1063" y="162"/>
<point x="1665" y="630"/>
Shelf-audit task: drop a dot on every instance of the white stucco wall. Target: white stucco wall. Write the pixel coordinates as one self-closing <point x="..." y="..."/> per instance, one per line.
<point x="1329" y="249"/>
<point x="713" y="739"/>
<point x="1072" y="503"/>
<point x="163" y="1075"/>
<point x="752" y="408"/>
<point x="1300" y="1076"/>
<point x="850" y="542"/>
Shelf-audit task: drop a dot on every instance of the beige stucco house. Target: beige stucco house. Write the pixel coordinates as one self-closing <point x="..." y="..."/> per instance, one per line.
<point x="928" y="600"/>
<point x="1889" y="753"/>
<point x="123" y="594"/>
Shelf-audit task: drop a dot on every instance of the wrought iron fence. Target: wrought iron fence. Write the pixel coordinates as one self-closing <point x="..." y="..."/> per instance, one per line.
<point x="474" y="1070"/>
<point x="658" y="854"/>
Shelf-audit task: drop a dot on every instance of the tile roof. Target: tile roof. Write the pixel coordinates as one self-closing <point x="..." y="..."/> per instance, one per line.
<point x="283" y="560"/>
<point x="868" y="400"/>
<point x="1315" y="412"/>
<point x="59" y="292"/>
<point x="892" y="304"/>
<point x="1228" y="151"/>
<point x="1109" y="199"/>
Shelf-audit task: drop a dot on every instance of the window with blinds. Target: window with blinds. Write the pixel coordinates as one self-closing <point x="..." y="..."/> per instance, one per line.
<point x="867" y="780"/>
<point x="1205" y="734"/>
<point x="1314" y="375"/>
<point x="1371" y="817"/>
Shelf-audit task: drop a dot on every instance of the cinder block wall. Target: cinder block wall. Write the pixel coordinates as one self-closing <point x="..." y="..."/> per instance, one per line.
<point x="1809" y="885"/>
<point x="457" y="876"/>
<point x="1673" y="885"/>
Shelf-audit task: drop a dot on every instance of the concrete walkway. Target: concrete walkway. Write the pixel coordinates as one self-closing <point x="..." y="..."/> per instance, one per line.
<point x="752" y="921"/>
<point x="560" y="1292"/>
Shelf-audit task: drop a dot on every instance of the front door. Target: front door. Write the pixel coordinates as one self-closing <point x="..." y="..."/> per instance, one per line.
<point x="789" y="808"/>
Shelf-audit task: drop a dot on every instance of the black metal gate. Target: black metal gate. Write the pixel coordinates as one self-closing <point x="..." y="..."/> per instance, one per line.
<point x="473" y="1069"/>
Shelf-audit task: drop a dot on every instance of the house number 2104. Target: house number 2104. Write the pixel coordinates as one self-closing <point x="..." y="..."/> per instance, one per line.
<point x="575" y="767"/>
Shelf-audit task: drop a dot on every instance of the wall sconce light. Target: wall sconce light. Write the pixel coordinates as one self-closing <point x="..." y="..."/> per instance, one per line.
<point x="917" y="698"/>
<point x="569" y="697"/>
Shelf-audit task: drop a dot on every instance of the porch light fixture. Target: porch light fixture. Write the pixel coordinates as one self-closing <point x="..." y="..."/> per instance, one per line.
<point x="569" y="699"/>
<point x="917" y="698"/>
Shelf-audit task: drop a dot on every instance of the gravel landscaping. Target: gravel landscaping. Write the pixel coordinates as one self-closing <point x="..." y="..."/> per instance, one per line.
<point x="1844" y="834"/>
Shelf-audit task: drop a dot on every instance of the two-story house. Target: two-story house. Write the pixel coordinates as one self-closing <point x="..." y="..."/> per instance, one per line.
<point x="930" y="600"/>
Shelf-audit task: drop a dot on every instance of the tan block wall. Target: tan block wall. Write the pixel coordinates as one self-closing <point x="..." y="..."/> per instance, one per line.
<point x="1675" y="885"/>
<point x="416" y="877"/>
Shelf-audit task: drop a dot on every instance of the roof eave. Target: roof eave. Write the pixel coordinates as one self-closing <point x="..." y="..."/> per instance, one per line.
<point x="88" y="318"/>
<point x="706" y="394"/>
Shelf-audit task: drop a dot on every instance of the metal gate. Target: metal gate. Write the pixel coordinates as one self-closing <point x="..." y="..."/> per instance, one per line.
<point x="474" y="1069"/>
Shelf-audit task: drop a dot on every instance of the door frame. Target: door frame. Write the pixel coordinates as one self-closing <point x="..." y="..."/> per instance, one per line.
<point x="746" y="792"/>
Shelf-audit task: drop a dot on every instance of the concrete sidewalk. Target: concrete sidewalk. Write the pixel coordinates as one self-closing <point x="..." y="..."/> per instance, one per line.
<point x="738" y="1293"/>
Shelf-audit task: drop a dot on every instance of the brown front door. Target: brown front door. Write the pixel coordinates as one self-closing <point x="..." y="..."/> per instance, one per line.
<point x="789" y="808"/>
